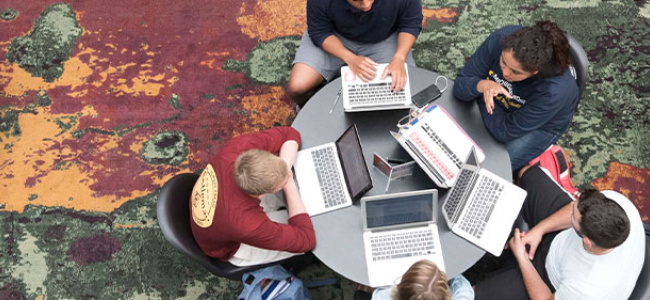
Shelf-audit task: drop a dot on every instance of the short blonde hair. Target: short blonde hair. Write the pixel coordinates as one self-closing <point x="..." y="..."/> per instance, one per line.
<point x="259" y="172"/>
<point x="423" y="281"/>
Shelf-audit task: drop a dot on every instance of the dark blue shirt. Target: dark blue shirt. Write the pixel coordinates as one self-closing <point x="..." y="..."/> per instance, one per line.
<point x="538" y="103"/>
<point x="324" y="17"/>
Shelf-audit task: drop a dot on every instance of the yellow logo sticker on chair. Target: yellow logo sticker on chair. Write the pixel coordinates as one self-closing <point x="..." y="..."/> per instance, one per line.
<point x="204" y="198"/>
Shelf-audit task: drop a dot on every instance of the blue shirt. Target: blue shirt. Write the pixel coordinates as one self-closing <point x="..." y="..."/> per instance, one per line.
<point x="537" y="103"/>
<point x="325" y="17"/>
<point x="460" y="287"/>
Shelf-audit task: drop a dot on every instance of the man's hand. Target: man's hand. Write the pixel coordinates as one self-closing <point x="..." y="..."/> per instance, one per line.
<point x="517" y="246"/>
<point x="397" y="70"/>
<point x="363" y="67"/>
<point x="531" y="238"/>
<point x="491" y="89"/>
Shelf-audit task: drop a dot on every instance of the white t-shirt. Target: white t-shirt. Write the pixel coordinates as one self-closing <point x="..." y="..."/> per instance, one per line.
<point x="577" y="274"/>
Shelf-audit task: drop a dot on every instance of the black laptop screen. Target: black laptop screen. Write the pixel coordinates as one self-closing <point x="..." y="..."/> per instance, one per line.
<point x="353" y="163"/>
<point x="400" y="210"/>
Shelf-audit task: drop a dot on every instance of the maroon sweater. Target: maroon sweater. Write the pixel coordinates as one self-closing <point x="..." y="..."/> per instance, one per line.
<point x="237" y="217"/>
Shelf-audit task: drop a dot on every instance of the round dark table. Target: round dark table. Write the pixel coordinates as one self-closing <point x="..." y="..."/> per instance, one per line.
<point x="339" y="242"/>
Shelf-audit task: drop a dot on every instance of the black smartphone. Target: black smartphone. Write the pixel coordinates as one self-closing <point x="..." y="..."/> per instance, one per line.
<point x="425" y="96"/>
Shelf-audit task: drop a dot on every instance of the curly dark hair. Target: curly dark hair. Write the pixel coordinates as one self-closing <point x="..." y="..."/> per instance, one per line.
<point x="603" y="221"/>
<point x="542" y="47"/>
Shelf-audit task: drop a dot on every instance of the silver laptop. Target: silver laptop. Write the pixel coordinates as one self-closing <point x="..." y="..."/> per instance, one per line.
<point x="333" y="175"/>
<point x="399" y="230"/>
<point x="438" y="144"/>
<point x="359" y="95"/>
<point x="481" y="207"/>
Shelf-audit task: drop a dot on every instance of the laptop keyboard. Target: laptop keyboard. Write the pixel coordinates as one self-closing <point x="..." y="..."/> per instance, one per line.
<point x="453" y="200"/>
<point x="402" y="244"/>
<point x="480" y="207"/>
<point x="374" y="94"/>
<point x="436" y="139"/>
<point x="431" y="157"/>
<point x="328" y="176"/>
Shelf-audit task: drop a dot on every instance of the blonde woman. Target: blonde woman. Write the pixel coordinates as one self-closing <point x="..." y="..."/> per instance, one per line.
<point x="424" y="281"/>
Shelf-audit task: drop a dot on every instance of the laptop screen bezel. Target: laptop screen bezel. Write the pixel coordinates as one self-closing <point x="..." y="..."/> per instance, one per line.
<point x="369" y="184"/>
<point x="461" y="206"/>
<point x="434" y="208"/>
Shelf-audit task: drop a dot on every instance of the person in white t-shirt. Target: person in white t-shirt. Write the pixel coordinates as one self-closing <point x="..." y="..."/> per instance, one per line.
<point x="591" y="248"/>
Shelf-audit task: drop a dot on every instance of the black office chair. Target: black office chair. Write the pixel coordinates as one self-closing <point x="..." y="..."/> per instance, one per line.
<point x="580" y="64"/>
<point x="174" y="220"/>
<point x="642" y="289"/>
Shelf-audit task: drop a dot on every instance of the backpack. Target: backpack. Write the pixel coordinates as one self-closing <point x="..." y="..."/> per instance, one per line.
<point x="556" y="162"/>
<point x="273" y="282"/>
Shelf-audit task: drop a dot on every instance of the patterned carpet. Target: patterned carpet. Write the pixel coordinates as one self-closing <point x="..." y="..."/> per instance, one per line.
<point x="102" y="101"/>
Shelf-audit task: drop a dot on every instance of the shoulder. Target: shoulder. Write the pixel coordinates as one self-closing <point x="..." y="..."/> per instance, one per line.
<point x="382" y="293"/>
<point x="562" y="86"/>
<point x="409" y="3"/>
<point x="319" y="4"/>
<point x="505" y="31"/>
<point x="236" y="145"/>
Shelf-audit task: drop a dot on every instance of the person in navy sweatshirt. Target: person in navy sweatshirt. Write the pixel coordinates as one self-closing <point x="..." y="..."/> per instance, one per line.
<point x="522" y="81"/>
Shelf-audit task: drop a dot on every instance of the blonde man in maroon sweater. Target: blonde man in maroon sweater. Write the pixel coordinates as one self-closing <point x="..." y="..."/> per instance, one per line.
<point x="236" y="205"/>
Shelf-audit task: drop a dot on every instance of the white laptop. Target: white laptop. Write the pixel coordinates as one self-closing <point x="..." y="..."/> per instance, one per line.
<point x="481" y="207"/>
<point x="333" y="175"/>
<point x="438" y="144"/>
<point x="399" y="230"/>
<point x="359" y="95"/>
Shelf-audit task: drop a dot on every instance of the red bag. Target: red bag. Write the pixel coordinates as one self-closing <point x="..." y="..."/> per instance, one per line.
<point x="556" y="162"/>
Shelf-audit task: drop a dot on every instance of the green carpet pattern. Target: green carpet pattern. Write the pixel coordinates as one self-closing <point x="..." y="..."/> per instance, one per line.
<point x="101" y="102"/>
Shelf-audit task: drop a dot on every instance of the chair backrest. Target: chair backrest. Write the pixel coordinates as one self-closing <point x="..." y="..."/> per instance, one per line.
<point x="642" y="289"/>
<point x="580" y="63"/>
<point x="174" y="220"/>
<point x="173" y="214"/>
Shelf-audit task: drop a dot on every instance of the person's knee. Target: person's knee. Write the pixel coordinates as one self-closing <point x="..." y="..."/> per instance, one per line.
<point x="299" y="92"/>
<point x="303" y="84"/>
<point x="297" y="87"/>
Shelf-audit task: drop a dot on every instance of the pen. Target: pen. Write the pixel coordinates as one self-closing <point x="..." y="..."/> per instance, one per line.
<point x="336" y="101"/>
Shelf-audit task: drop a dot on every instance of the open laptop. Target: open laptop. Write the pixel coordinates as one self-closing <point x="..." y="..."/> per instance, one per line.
<point x="398" y="230"/>
<point x="438" y="144"/>
<point x="333" y="175"/>
<point x="481" y="207"/>
<point x="359" y="95"/>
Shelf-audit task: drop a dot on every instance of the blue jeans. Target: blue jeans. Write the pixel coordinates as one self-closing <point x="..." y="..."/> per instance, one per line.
<point x="529" y="146"/>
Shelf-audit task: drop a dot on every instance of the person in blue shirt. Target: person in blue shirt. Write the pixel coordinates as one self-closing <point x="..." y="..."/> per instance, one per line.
<point x="522" y="80"/>
<point x="357" y="33"/>
<point x="424" y="281"/>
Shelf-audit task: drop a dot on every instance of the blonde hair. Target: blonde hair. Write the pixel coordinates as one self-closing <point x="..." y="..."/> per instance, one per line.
<point x="422" y="281"/>
<point x="258" y="172"/>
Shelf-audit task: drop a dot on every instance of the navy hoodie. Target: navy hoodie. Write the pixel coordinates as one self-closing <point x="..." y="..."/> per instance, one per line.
<point x="537" y="103"/>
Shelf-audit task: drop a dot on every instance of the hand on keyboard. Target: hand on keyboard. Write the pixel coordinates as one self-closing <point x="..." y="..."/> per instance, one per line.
<point x="363" y="67"/>
<point x="397" y="70"/>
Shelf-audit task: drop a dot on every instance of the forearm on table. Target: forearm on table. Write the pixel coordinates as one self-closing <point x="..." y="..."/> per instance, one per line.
<point x="288" y="152"/>
<point x="294" y="202"/>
